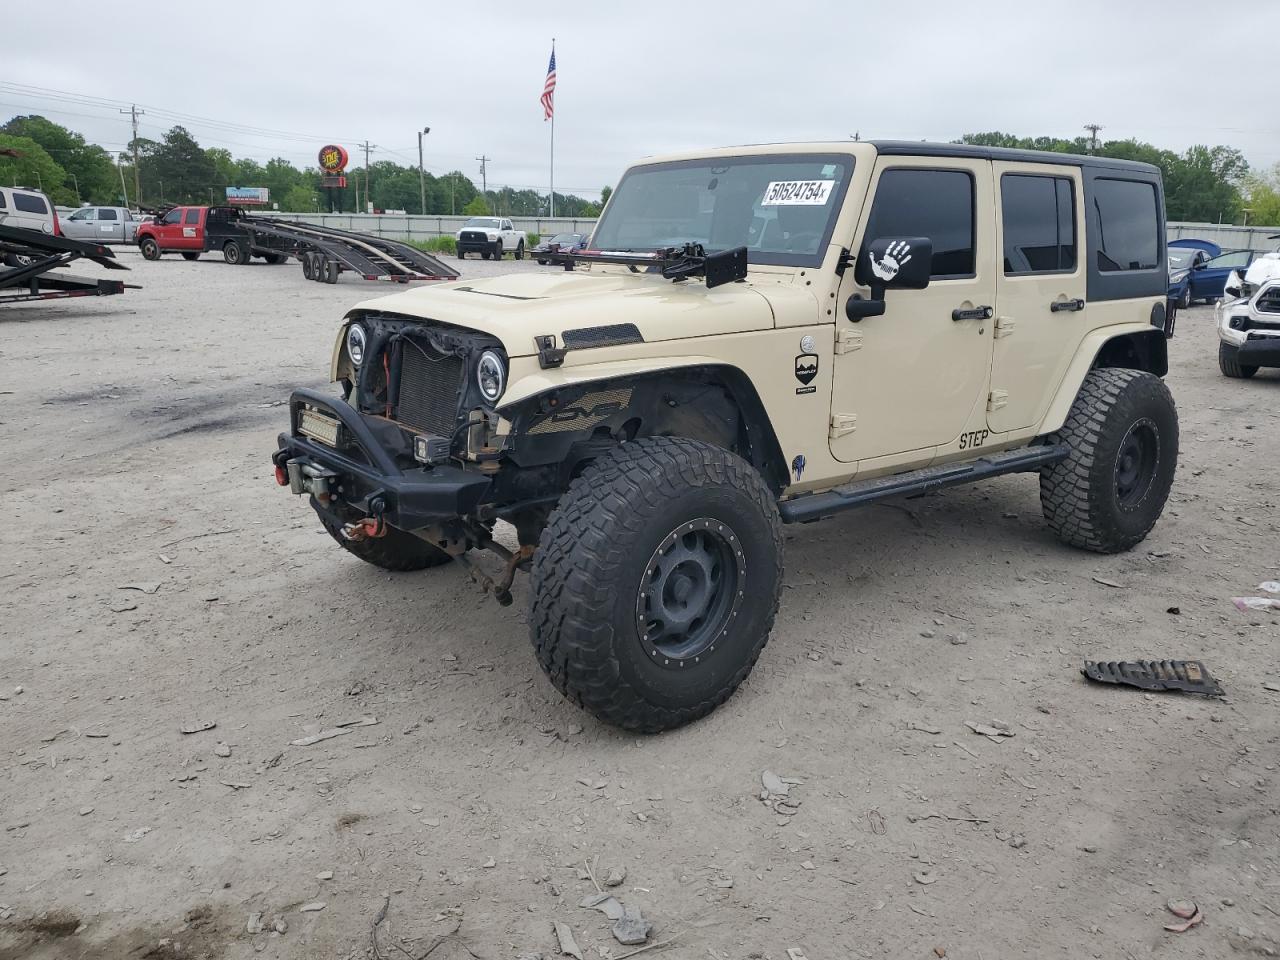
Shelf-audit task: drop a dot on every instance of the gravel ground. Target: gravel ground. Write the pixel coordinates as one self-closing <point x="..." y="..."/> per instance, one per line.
<point x="137" y="431"/>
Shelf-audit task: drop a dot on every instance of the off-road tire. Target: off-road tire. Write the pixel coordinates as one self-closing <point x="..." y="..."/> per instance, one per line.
<point x="519" y="254"/>
<point x="1229" y="363"/>
<point x="150" y="249"/>
<point x="1081" y="496"/>
<point x="396" y="551"/>
<point x="191" y="255"/>
<point x="590" y="566"/>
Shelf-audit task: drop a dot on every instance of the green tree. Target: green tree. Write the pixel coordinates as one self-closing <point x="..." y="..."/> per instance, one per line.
<point x="176" y="170"/>
<point x="90" y="172"/>
<point x="605" y="194"/>
<point x="33" y="167"/>
<point x="478" y="207"/>
<point x="300" y="198"/>
<point x="1263" y="197"/>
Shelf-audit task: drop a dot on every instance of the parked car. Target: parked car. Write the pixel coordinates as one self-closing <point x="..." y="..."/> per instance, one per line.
<point x="1249" y="319"/>
<point x="489" y="237"/>
<point x="102" y="224"/>
<point x="561" y="243"/>
<point x="27" y="209"/>
<point x="1209" y="279"/>
<point x="1182" y="262"/>
<point x="191" y="231"/>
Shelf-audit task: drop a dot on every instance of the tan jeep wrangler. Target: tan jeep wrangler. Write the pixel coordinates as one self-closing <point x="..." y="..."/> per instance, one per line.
<point x="755" y="336"/>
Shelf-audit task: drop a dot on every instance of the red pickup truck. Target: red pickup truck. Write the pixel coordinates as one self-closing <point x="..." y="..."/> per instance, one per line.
<point x="192" y="231"/>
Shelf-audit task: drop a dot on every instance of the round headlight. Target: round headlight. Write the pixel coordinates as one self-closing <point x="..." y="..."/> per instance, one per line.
<point x="491" y="375"/>
<point x="355" y="343"/>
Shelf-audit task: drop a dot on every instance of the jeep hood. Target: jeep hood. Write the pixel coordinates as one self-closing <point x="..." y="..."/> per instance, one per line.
<point x="518" y="307"/>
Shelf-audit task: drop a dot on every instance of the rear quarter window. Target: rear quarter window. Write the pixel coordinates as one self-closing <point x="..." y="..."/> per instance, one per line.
<point x="28" y="203"/>
<point x="1128" y="225"/>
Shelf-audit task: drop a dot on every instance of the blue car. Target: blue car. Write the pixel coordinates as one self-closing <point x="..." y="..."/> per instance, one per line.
<point x="1183" y="261"/>
<point x="1206" y="280"/>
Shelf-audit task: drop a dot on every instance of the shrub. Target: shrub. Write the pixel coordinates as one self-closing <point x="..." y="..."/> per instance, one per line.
<point x="435" y="245"/>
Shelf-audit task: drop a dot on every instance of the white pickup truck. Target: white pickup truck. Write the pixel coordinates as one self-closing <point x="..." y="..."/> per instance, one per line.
<point x="489" y="237"/>
<point x="101" y="224"/>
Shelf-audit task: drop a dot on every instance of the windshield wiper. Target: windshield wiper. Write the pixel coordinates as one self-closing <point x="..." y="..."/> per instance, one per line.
<point x="674" y="263"/>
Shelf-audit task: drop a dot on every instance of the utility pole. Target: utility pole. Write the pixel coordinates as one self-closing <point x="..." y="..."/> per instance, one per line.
<point x="135" y="113"/>
<point x="77" y="183"/>
<point x="367" y="146"/>
<point x="422" y="176"/>
<point x="1093" y="129"/>
<point x="484" y="179"/>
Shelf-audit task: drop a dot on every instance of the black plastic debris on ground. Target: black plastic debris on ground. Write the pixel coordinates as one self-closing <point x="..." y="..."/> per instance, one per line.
<point x="1188" y="676"/>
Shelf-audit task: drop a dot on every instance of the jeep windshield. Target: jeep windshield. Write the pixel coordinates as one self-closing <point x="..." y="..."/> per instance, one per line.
<point x="782" y="208"/>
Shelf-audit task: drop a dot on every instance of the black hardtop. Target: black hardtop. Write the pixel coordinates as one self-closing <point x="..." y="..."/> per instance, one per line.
<point x="916" y="148"/>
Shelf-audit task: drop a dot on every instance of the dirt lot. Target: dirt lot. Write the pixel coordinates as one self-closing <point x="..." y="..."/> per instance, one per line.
<point x="136" y="433"/>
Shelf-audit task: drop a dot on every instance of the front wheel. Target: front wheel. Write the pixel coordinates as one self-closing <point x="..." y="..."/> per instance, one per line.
<point x="497" y="250"/>
<point x="655" y="582"/>
<point x="1230" y="365"/>
<point x="150" y="249"/>
<point x="1185" y="300"/>
<point x="1123" y="434"/>
<point x="462" y="254"/>
<point x="396" y="550"/>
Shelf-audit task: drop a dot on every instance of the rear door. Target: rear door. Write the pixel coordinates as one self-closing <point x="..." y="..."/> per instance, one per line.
<point x="110" y="228"/>
<point x="191" y="236"/>
<point x="912" y="380"/>
<point x="1041" y="313"/>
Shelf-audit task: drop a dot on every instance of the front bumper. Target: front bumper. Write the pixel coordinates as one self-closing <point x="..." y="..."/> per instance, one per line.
<point x="474" y="246"/>
<point x="372" y="470"/>
<point x="1260" y="350"/>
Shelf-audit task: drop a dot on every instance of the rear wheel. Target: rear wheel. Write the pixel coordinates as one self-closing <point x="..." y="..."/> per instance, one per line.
<point x="1123" y="434"/>
<point x="331" y="270"/>
<point x="396" y="550"/>
<point x="1230" y="365"/>
<point x="191" y="255"/>
<point x="656" y="581"/>
<point x="520" y="250"/>
<point x="308" y="266"/>
<point x="274" y="258"/>
<point x="234" y="253"/>
<point x="150" y="249"/>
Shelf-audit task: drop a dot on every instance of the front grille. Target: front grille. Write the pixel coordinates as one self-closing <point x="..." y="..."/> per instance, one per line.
<point x="471" y="236"/>
<point x="430" y="383"/>
<point x="1269" y="302"/>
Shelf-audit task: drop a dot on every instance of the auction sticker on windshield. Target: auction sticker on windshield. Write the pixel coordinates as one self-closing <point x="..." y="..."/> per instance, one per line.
<point x="785" y="192"/>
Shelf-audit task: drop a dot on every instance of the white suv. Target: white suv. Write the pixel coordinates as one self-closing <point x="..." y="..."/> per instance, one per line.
<point x="28" y="210"/>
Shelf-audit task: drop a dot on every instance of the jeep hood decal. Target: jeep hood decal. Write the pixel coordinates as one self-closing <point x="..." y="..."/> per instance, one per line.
<point x="518" y="307"/>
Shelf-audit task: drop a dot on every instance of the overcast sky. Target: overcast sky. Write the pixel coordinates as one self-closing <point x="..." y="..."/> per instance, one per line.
<point x="641" y="78"/>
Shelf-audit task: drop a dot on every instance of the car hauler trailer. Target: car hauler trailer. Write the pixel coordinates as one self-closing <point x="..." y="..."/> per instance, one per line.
<point x="37" y="255"/>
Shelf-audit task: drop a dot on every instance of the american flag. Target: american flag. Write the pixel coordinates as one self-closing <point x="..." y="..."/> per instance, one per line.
<point x="549" y="89"/>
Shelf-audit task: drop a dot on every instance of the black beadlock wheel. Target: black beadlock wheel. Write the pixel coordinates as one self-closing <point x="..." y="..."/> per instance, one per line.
<point x="1230" y="365"/>
<point x="150" y="249"/>
<point x="1123" y="434"/>
<point x="396" y="550"/>
<point x="656" y="582"/>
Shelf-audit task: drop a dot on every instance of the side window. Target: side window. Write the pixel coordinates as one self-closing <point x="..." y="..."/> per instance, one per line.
<point x="3" y="204"/>
<point x="193" y="215"/>
<point x="1128" y="225"/>
<point x="173" y="216"/>
<point x="506" y="224"/>
<point x="937" y="204"/>
<point x="1236" y="258"/>
<point x="86" y="214"/>
<point x="106" y="213"/>
<point x="29" y="203"/>
<point x="1038" y="214"/>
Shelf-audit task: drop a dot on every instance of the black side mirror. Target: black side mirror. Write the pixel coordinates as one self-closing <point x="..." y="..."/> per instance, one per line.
<point x="904" y="263"/>
<point x="895" y="263"/>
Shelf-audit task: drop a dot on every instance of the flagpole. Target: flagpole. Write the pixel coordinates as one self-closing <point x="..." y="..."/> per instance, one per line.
<point x="553" y="147"/>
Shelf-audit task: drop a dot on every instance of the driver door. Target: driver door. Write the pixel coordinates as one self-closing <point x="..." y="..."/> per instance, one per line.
<point x="915" y="378"/>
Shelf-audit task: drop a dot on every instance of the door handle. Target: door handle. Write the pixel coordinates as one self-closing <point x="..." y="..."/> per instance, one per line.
<point x="1058" y="306"/>
<point x="972" y="313"/>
